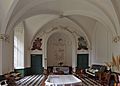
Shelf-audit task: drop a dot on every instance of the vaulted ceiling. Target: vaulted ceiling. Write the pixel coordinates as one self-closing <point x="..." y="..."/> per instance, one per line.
<point x="37" y="13"/>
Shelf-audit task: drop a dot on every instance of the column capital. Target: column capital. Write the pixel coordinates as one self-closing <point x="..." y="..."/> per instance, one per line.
<point x="4" y="37"/>
<point x="116" y="39"/>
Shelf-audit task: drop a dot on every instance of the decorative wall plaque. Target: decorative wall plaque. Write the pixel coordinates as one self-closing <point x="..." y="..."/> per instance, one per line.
<point x="37" y="44"/>
<point x="82" y="43"/>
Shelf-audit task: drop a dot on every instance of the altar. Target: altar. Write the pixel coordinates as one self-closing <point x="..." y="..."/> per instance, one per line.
<point x="60" y="68"/>
<point x="56" y="69"/>
<point x="62" y="80"/>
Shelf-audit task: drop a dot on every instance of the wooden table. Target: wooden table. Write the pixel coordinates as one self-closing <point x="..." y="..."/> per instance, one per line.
<point x="62" y="80"/>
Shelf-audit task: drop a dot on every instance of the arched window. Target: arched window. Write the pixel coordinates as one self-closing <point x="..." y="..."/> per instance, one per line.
<point x="19" y="46"/>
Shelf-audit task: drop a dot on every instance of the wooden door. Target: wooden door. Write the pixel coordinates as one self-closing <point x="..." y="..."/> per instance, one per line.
<point x="82" y="61"/>
<point x="36" y="64"/>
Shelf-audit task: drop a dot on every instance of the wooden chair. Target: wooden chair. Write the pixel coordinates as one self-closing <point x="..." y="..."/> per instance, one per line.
<point x="116" y="79"/>
<point x="10" y="80"/>
<point x="104" y="78"/>
<point x="119" y="80"/>
<point x="80" y="72"/>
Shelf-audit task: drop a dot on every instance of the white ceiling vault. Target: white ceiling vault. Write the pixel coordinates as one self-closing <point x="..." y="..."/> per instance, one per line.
<point x="37" y="13"/>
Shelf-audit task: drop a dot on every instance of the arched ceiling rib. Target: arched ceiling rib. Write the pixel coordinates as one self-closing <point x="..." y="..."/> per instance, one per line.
<point x="62" y="6"/>
<point x="86" y="23"/>
<point x="16" y="20"/>
<point x="102" y="11"/>
<point x="69" y="23"/>
<point x="36" y="23"/>
<point x="104" y="6"/>
<point x="6" y="9"/>
<point x="116" y="4"/>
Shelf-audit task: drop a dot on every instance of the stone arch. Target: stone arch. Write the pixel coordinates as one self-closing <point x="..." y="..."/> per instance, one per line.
<point x="7" y="16"/>
<point x="74" y="46"/>
<point x="85" y="12"/>
<point x="93" y="15"/>
<point x="81" y="29"/>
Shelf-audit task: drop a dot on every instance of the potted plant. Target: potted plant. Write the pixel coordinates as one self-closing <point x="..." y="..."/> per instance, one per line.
<point x="114" y="64"/>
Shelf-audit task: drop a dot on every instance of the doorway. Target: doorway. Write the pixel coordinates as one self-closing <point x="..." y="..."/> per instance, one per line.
<point x="36" y="64"/>
<point x="82" y="61"/>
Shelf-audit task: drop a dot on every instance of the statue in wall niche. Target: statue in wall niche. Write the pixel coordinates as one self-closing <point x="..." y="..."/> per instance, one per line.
<point x="82" y="43"/>
<point x="37" y="44"/>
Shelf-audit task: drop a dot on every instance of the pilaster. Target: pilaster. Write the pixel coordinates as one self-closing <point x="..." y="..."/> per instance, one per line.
<point x="3" y="58"/>
<point x="0" y="56"/>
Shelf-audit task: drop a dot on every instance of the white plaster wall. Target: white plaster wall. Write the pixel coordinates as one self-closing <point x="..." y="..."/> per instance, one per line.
<point x="53" y="49"/>
<point x="34" y="23"/>
<point x="5" y="6"/>
<point x="0" y="57"/>
<point x="27" y="59"/>
<point x="86" y="23"/>
<point x="110" y="45"/>
<point x="26" y="49"/>
<point x="7" y="60"/>
<point x="116" y="48"/>
<point x="27" y="52"/>
<point x="101" y="45"/>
